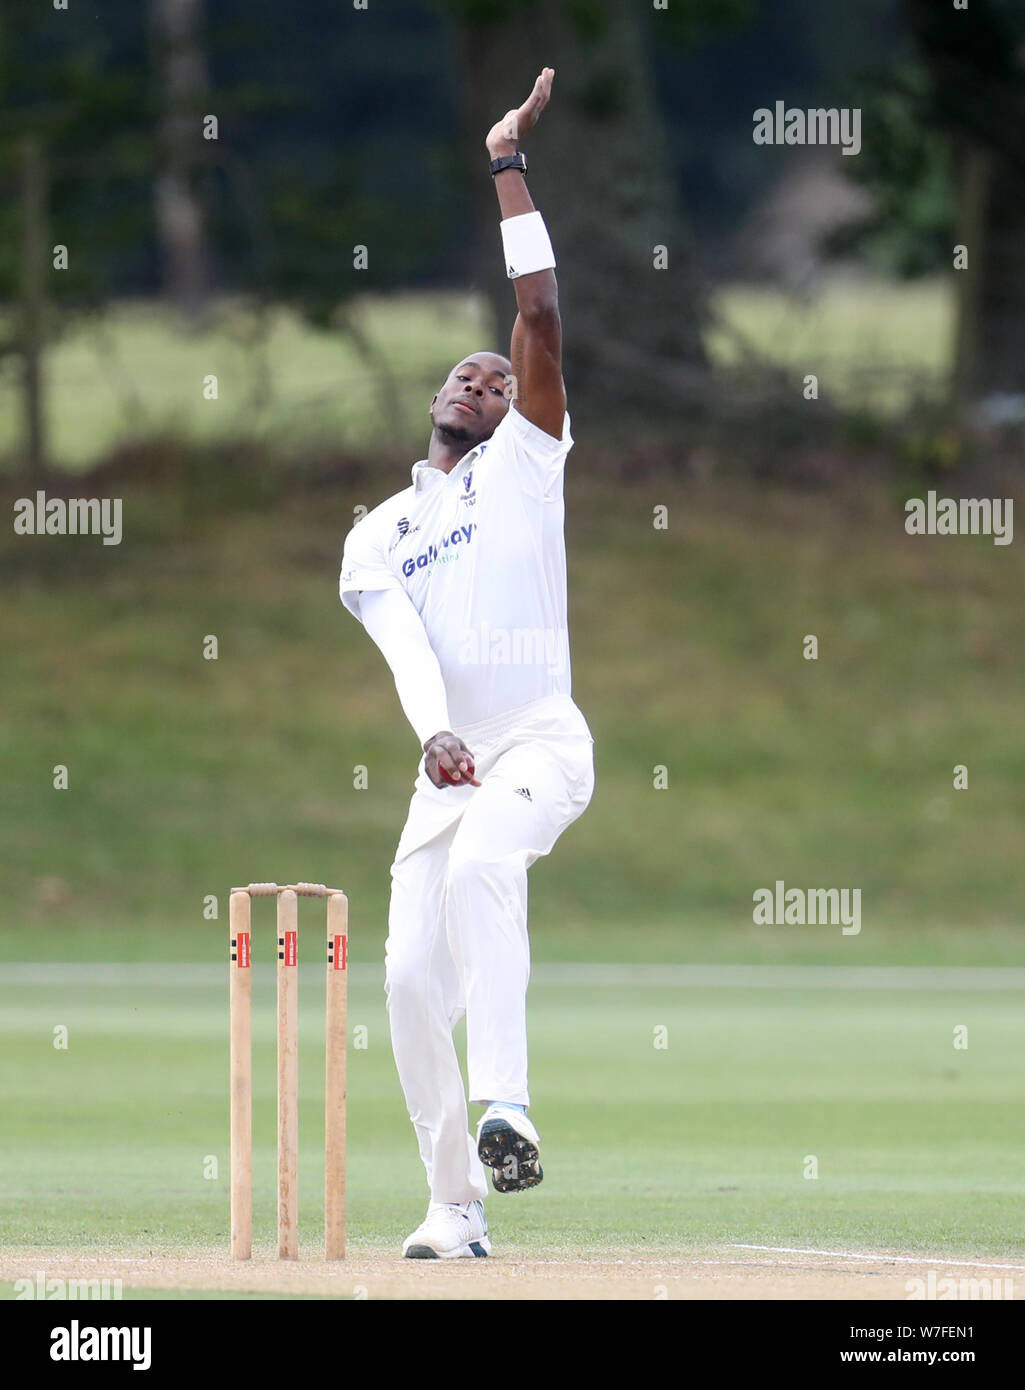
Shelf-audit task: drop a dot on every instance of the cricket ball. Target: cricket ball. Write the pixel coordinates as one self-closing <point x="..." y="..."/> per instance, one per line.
<point x="463" y="780"/>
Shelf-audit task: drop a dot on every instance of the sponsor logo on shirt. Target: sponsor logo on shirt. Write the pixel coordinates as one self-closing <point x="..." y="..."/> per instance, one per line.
<point x="404" y="530"/>
<point x="469" y="498"/>
<point x="460" y="535"/>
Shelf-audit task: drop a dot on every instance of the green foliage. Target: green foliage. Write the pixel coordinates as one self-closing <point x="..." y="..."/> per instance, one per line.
<point x="605" y="97"/>
<point x="905" y="164"/>
<point x="484" y="12"/>
<point x="85" y="96"/>
<point x="689" y="24"/>
<point x="287" y="190"/>
<point x="964" y="82"/>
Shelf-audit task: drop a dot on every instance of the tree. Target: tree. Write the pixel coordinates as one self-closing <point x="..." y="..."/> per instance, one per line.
<point x="974" y="61"/>
<point x="64" y="86"/>
<point x="180" y="61"/>
<point x="32" y="325"/>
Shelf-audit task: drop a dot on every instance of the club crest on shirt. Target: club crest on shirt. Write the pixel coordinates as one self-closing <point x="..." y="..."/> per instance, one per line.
<point x="469" y="497"/>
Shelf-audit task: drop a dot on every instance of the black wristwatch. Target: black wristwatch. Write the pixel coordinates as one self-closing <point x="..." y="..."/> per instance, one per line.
<point x="509" y="161"/>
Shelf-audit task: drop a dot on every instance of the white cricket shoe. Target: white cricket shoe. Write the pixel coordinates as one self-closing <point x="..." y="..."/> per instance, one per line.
<point x="450" y="1231"/>
<point x="510" y="1146"/>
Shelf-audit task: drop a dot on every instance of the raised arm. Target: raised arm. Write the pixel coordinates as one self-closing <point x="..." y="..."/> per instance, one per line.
<point x="536" y="349"/>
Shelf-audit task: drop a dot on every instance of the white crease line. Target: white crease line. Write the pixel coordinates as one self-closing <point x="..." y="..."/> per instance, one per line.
<point x="558" y="974"/>
<point x="877" y="1259"/>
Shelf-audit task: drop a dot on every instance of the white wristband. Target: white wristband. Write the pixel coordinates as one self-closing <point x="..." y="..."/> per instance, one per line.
<point x="527" y="245"/>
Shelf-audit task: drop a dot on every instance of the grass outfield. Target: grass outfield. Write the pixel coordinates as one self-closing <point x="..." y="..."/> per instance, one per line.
<point x="187" y="775"/>
<point x="701" y="1143"/>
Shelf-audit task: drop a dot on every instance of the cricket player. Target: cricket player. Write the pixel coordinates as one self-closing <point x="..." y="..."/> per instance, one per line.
<point x="460" y="580"/>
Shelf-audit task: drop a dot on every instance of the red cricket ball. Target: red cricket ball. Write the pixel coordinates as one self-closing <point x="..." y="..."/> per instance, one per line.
<point x="463" y="780"/>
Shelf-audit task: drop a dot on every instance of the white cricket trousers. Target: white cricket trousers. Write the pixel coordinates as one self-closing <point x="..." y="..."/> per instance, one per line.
<point x="457" y="925"/>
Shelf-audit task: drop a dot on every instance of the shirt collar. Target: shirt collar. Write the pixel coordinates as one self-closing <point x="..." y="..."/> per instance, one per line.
<point x="424" y="475"/>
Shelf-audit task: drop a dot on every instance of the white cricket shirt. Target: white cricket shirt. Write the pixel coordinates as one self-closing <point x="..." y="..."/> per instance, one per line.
<point x="482" y="554"/>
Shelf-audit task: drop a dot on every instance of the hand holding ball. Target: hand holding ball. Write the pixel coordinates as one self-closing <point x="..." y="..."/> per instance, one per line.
<point x="449" y="748"/>
<point x="466" y="777"/>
